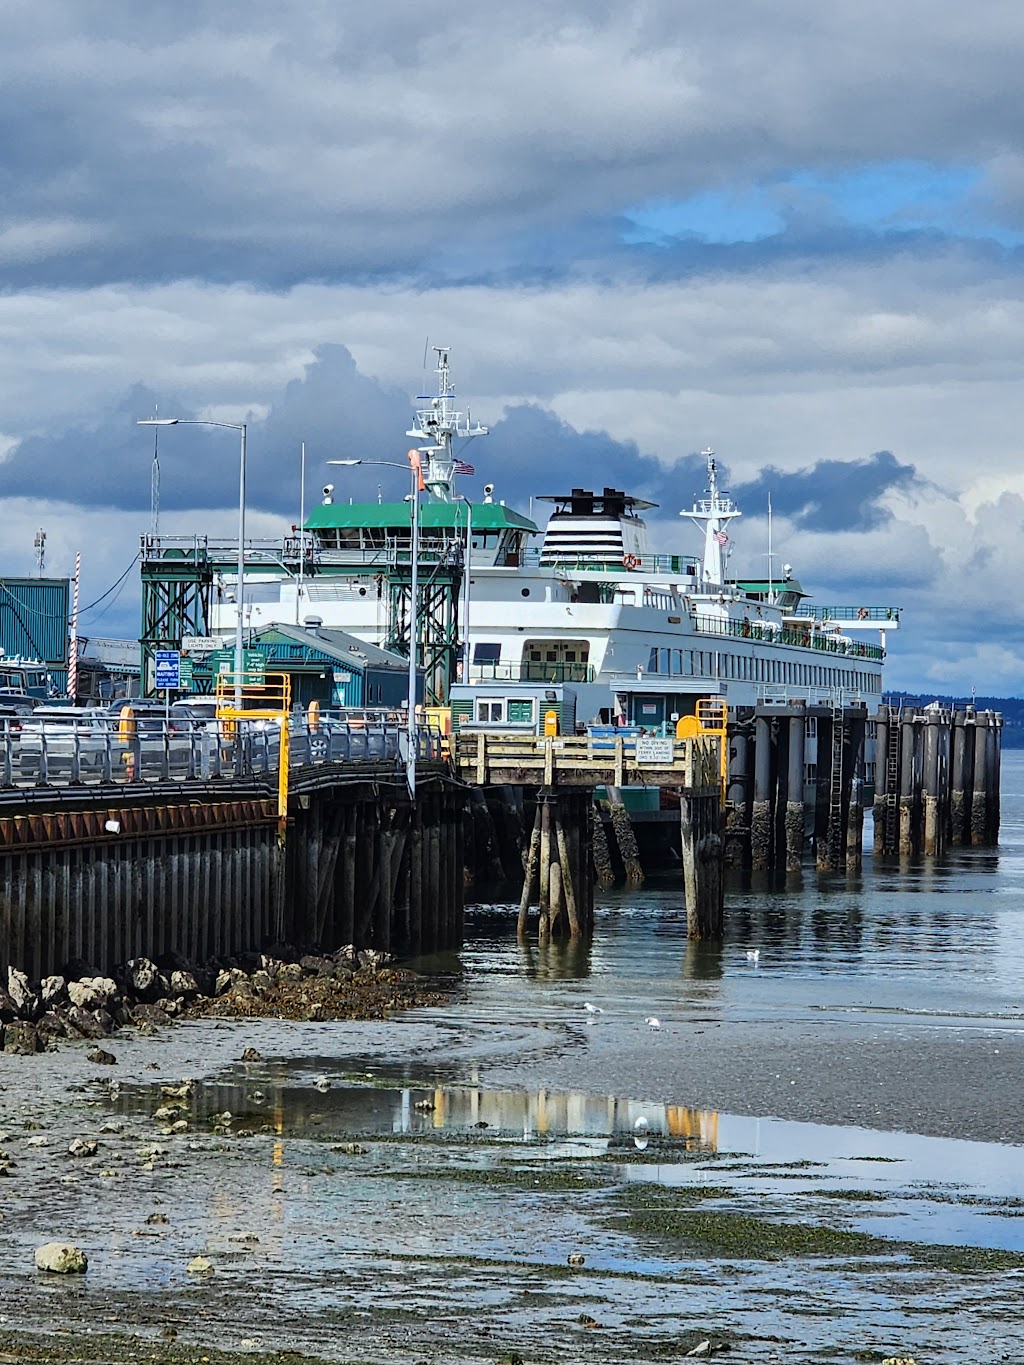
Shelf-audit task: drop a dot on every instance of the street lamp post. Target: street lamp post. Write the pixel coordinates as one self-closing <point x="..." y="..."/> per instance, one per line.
<point x="466" y="586"/>
<point x="240" y="591"/>
<point x="414" y="564"/>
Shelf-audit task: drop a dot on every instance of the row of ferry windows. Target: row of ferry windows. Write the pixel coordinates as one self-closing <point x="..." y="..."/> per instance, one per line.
<point x="711" y="663"/>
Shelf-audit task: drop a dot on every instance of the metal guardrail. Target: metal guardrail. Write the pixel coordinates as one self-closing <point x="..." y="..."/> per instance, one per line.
<point x="86" y="754"/>
<point x="885" y="616"/>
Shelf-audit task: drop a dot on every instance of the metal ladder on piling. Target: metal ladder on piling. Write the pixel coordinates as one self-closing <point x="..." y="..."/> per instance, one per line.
<point x="835" y="794"/>
<point x="892" y="778"/>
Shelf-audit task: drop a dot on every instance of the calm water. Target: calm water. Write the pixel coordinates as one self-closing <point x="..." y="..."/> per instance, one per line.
<point x="944" y="940"/>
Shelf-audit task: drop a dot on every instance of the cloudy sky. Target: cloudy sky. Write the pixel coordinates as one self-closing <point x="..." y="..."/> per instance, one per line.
<point x="791" y="231"/>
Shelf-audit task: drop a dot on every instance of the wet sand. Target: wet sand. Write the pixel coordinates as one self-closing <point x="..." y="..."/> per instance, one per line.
<point x="447" y="1238"/>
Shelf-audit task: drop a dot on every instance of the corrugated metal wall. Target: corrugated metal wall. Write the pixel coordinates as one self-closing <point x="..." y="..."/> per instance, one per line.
<point x="34" y="619"/>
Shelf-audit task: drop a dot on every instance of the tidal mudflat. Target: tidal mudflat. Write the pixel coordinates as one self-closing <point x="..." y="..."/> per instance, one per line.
<point x="320" y="1201"/>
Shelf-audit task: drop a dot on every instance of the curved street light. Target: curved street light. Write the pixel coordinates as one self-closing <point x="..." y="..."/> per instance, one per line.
<point x="231" y="426"/>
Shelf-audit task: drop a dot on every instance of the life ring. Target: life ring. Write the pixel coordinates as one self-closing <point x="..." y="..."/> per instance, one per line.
<point x="630" y="562"/>
<point x="862" y="613"/>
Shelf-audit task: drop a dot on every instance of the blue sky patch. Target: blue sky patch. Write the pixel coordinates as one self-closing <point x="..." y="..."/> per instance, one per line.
<point x="896" y="196"/>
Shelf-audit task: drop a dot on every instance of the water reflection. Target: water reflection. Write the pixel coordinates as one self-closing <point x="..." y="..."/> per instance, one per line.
<point x="893" y="1184"/>
<point x="558" y="960"/>
<point x="301" y="1109"/>
<point x="703" y="961"/>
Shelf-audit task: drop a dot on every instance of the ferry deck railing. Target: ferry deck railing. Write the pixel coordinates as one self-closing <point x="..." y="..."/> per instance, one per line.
<point x="774" y="633"/>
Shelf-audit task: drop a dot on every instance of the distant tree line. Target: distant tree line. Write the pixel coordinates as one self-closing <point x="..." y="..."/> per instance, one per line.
<point x="1012" y="709"/>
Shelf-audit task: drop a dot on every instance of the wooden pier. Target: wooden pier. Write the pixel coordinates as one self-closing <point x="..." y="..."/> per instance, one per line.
<point x="104" y="871"/>
<point x="108" y="871"/>
<point x="563" y="772"/>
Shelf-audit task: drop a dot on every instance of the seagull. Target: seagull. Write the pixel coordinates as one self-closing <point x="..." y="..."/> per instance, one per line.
<point x="753" y="954"/>
<point x="592" y="1009"/>
<point x="651" y="1022"/>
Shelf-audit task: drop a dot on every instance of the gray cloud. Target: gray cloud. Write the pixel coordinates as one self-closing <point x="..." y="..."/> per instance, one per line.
<point x="263" y="209"/>
<point x="286" y="142"/>
<point x="832" y="495"/>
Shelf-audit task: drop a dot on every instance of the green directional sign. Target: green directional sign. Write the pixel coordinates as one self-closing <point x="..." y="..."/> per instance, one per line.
<point x="254" y="663"/>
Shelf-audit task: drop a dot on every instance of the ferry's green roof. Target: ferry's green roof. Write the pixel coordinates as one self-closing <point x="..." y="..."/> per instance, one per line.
<point x="769" y="585"/>
<point x="487" y="516"/>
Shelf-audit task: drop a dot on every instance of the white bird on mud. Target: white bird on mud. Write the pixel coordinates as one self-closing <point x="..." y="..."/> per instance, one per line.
<point x="592" y="1009"/>
<point x="651" y="1022"/>
<point x="321" y="1083"/>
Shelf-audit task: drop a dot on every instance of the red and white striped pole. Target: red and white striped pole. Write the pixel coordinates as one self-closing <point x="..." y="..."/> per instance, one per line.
<point x="73" y="641"/>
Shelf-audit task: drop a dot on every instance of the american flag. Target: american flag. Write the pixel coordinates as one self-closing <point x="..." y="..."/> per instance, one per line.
<point x="722" y="538"/>
<point x="461" y="467"/>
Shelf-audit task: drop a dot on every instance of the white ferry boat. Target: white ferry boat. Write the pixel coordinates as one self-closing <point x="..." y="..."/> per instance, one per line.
<point x="639" y="635"/>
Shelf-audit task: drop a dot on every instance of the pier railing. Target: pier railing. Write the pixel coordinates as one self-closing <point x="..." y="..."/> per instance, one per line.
<point x="91" y="752"/>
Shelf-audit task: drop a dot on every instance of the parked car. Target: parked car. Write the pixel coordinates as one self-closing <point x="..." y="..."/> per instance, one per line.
<point x="53" y="739"/>
<point x="20" y="700"/>
<point x="11" y="719"/>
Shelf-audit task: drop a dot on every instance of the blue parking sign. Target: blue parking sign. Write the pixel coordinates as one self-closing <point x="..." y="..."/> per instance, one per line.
<point x="168" y="670"/>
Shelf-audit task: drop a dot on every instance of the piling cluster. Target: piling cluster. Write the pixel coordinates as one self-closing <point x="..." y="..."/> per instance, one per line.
<point x="937" y="779"/>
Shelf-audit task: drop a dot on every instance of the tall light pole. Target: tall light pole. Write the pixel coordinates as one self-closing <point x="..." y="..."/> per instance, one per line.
<point x="240" y="591"/>
<point x="465" y="587"/>
<point x="416" y="469"/>
<point x="302" y="534"/>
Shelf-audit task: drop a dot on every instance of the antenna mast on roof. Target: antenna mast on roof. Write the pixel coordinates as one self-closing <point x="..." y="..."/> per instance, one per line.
<point x="436" y="427"/>
<point x="39" y="545"/>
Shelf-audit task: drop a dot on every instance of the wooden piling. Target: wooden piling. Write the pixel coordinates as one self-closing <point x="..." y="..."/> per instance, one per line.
<point x="544" y="920"/>
<point x="569" y="876"/>
<point x="622" y="828"/>
<point x="603" y="871"/>
<point x="703" y="852"/>
<point x="530" y="875"/>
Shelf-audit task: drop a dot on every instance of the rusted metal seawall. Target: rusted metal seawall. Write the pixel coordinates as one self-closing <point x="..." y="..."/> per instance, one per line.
<point x="105" y="875"/>
<point x="137" y="875"/>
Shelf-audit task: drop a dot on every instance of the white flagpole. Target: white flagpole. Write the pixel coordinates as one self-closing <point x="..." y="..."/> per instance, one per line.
<point x="73" y="641"/>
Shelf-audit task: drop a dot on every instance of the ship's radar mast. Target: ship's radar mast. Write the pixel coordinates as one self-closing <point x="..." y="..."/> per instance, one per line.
<point x="713" y="513"/>
<point x="437" y="427"/>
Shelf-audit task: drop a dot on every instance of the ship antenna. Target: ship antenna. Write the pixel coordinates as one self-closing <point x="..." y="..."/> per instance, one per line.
<point x="435" y="429"/>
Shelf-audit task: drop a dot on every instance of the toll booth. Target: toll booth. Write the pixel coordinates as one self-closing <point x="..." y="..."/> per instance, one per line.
<point x="513" y="706"/>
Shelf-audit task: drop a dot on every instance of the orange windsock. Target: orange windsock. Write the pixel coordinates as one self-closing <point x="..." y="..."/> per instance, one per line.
<point x="416" y="460"/>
